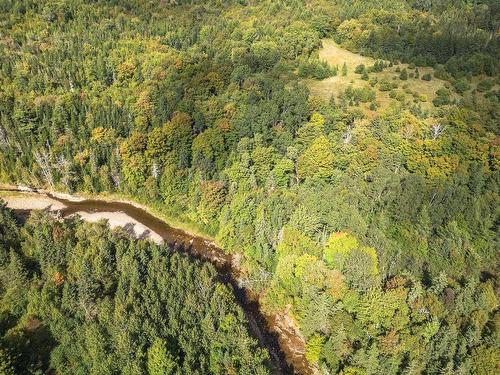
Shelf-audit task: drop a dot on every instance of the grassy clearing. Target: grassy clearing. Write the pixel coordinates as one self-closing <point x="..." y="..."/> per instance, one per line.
<point x="415" y="90"/>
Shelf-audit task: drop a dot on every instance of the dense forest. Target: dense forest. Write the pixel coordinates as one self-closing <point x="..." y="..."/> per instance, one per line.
<point x="101" y="303"/>
<point x="375" y="230"/>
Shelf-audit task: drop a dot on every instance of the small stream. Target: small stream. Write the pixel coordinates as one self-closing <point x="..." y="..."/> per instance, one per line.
<point x="282" y="346"/>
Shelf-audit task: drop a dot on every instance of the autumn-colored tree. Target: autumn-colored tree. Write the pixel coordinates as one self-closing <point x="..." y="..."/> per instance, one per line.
<point x="316" y="162"/>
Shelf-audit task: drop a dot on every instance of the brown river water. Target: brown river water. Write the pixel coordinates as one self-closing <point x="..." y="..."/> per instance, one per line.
<point x="274" y="332"/>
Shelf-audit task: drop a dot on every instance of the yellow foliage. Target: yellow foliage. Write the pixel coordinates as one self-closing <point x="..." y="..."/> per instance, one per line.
<point x="302" y="263"/>
<point x="126" y="70"/>
<point x="338" y="247"/>
<point x="294" y="242"/>
<point x="313" y="348"/>
<point x="317" y="160"/>
<point x="101" y="135"/>
<point x="82" y="157"/>
<point x="350" y="370"/>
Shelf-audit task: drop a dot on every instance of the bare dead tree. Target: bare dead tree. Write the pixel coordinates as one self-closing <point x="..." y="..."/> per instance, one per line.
<point x="155" y="170"/>
<point x="437" y="130"/>
<point x="71" y="85"/>
<point x="63" y="165"/>
<point x="347" y="136"/>
<point x="116" y="179"/>
<point x="43" y="160"/>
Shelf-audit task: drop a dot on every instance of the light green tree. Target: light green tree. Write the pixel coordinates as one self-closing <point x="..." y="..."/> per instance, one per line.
<point x="160" y="361"/>
<point x="316" y="162"/>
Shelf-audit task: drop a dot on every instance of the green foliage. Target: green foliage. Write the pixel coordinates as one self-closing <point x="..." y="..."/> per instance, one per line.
<point x="359" y="94"/>
<point x="426" y="77"/>
<point x="337" y="250"/>
<point x="461" y="85"/>
<point x="485" y="360"/>
<point x="442" y="97"/>
<point x="485" y="85"/>
<point x="6" y="363"/>
<point x="160" y="360"/>
<point x="360" y="69"/>
<point x="377" y="67"/>
<point x="403" y="75"/>
<point x="313" y="348"/>
<point x="197" y="109"/>
<point x="114" y="305"/>
<point x="316" y="161"/>
<point x="398" y="30"/>
<point x="344" y="69"/>
<point x="386" y="85"/>
<point x="317" y="69"/>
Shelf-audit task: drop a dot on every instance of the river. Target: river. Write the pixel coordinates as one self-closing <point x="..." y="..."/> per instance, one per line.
<point x="274" y="332"/>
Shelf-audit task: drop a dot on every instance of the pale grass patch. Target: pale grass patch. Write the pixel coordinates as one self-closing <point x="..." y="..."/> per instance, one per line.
<point x="335" y="55"/>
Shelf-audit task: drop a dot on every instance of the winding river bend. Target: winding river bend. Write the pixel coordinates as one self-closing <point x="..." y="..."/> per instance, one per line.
<point x="285" y="347"/>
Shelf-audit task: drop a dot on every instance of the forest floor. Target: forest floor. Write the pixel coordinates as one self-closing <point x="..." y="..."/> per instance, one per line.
<point x="415" y="90"/>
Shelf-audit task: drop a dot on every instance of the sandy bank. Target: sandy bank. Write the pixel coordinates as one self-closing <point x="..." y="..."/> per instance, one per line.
<point x="118" y="198"/>
<point x="33" y="202"/>
<point x="120" y="219"/>
<point x="37" y="201"/>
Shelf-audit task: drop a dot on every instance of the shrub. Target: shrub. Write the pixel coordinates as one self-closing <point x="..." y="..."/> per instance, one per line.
<point x="360" y="69"/>
<point x="485" y="85"/>
<point x="360" y="94"/>
<point x="442" y="74"/>
<point x="313" y="68"/>
<point x="377" y="67"/>
<point x="404" y="75"/>
<point x="461" y="85"/>
<point x="344" y="69"/>
<point x="385" y="85"/>
<point x="426" y="77"/>
<point x="493" y="96"/>
<point x="443" y="92"/>
<point x="442" y="98"/>
<point x="398" y="95"/>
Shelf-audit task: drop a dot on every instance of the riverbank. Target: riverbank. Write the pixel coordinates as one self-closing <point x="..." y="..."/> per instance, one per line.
<point x="27" y="201"/>
<point x="189" y="228"/>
